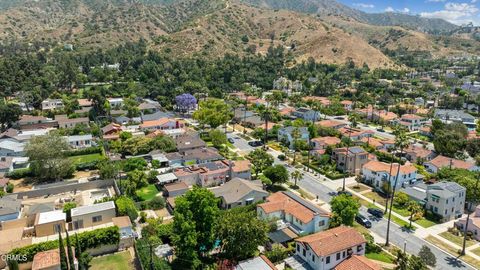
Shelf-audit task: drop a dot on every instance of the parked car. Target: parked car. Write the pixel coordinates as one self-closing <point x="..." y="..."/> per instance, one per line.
<point x="339" y="118"/>
<point x="363" y="221"/>
<point x="230" y="140"/>
<point x="255" y="143"/>
<point x="380" y="130"/>
<point x="375" y="212"/>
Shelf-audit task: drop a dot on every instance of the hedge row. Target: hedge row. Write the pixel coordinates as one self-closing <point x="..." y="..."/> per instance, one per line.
<point x="87" y="240"/>
<point x="19" y="173"/>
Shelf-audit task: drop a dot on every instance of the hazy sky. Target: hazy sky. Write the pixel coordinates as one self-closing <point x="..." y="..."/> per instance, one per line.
<point x="454" y="11"/>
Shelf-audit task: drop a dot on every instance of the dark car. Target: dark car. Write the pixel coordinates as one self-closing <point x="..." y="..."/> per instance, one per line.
<point x="255" y="143"/>
<point x="363" y="221"/>
<point x="375" y="212"/>
<point x="230" y="140"/>
<point x="345" y="193"/>
<point x="380" y="130"/>
<point x="339" y="118"/>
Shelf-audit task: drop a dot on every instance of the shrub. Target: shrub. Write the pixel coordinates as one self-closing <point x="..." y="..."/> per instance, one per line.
<point x="126" y="206"/>
<point x="19" y="173"/>
<point x="84" y="151"/>
<point x="9" y="188"/>
<point x="157" y="203"/>
<point x="282" y="157"/>
<point x="87" y="240"/>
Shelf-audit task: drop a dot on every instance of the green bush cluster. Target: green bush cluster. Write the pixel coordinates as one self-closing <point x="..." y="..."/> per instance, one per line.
<point x="87" y="240"/>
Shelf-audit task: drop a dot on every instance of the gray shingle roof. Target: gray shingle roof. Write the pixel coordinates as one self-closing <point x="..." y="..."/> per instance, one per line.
<point x="88" y="209"/>
<point x="237" y="188"/>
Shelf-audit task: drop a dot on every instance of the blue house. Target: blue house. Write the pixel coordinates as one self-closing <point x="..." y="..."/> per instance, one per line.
<point x="286" y="135"/>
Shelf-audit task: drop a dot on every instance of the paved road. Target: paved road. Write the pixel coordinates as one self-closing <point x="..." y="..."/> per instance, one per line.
<point x="400" y="237"/>
<point x="239" y="142"/>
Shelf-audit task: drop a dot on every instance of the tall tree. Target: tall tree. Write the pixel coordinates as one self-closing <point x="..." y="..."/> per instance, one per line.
<point x="213" y="112"/>
<point x="260" y="160"/>
<point x="278" y="174"/>
<point x="427" y="256"/>
<point x="47" y="156"/>
<point x="9" y="114"/>
<point x="401" y="142"/>
<point x="241" y="233"/>
<point x="296" y="175"/>
<point x="344" y="209"/>
<point x="71" y="258"/>
<point x="196" y="213"/>
<point x="63" y="255"/>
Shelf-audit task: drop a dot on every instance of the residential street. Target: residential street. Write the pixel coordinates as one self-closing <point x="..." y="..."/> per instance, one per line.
<point x="317" y="186"/>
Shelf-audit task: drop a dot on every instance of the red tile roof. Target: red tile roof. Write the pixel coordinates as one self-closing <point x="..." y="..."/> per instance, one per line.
<point x="333" y="240"/>
<point x="442" y="161"/>
<point x="46" y="259"/>
<point x="378" y="166"/>
<point x="356" y="262"/>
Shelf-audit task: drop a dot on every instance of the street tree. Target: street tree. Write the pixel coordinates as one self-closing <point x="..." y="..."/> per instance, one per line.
<point x="427" y="256"/>
<point x="185" y="102"/>
<point x="344" y="209"/>
<point x="297" y="176"/>
<point x="47" y="156"/>
<point x="415" y="209"/>
<point x="278" y="174"/>
<point x="260" y="160"/>
<point x="218" y="138"/>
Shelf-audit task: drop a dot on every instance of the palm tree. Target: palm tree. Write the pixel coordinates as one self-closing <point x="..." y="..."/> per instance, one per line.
<point x="353" y="118"/>
<point x="266" y="113"/>
<point x="401" y="142"/>
<point x="295" y="137"/>
<point x="297" y="176"/>
<point x="414" y="208"/>
<point x="316" y="107"/>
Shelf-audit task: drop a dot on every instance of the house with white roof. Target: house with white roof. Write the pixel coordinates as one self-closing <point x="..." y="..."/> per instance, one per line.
<point x="92" y="215"/>
<point x="52" y="104"/>
<point x="80" y="141"/>
<point x="50" y="223"/>
<point x="115" y="102"/>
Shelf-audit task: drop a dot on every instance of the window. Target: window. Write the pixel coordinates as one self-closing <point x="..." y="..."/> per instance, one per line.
<point x="343" y="254"/>
<point x="338" y="256"/>
<point x="304" y="253"/>
<point x="359" y="248"/>
<point x="96" y="219"/>
<point x="327" y="260"/>
<point x="313" y="258"/>
<point x="298" y="248"/>
<point x="249" y="201"/>
<point x="57" y="228"/>
<point x="435" y="209"/>
<point x="447" y="201"/>
<point x="321" y="223"/>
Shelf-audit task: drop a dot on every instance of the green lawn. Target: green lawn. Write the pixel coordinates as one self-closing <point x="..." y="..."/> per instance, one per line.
<point x="117" y="261"/>
<point x="85" y="158"/>
<point x="453" y="251"/>
<point x="379" y="199"/>
<point x="382" y="256"/>
<point x="476" y="251"/>
<point x="458" y="240"/>
<point x="425" y="223"/>
<point x="147" y="193"/>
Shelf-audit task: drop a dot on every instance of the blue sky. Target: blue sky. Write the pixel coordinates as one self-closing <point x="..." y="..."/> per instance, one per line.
<point x="454" y="11"/>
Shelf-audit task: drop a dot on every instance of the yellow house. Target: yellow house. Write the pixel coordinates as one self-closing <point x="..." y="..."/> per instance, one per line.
<point x="92" y="215"/>
<point x="50" y="223"/>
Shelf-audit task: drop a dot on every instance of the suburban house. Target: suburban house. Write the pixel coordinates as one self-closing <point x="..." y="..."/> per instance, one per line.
<point x="115" y="102"/>
<point x="412" y="122"/>
<point x="325" y="250"/>
<point x="92" y="215"/>
<point x="111" y="131"/>
<point x="50" y="223"/>
<point x="10" y="147"/>
<point x="331" y="124"/>
<point x="73" y="122"/>
<point x="239" y="192"/>
<point x="175" y="189"/>
<point x="306" y="114"/>
<point x="10" y="208"/>
<point x="194" y="156"/>
<point x="356" y="134"/>
<point x="213" y="173"/>
<point x="347" y="105"/>
<point x="189" y="141"/>
<point x="446" y="199"/>
<point x="257" y="263"/>
<point x="162" y="124"/>
<point x="415" y="154"/>
<point x="439" y="162"/>
<point x="473" y="223"/>
<point x="301" y="216"/>
<point x="286" y="134"/>
<point x="350" y="159"/>
<point x="156" y="116"/>
<point x="384" y="116"/>
<point x="8" y="164"/>
<point x="324" y="142"/>
<point x="80" y="141"/>
<point x="29" y="122"/>
<point x="52" y="104"/>
<point x="378" y="144"/>
<point x="449" y="116"/>
<point x="127" y="232"/>
<point x="357" y="262"/>
<point x="376" y="173"/>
